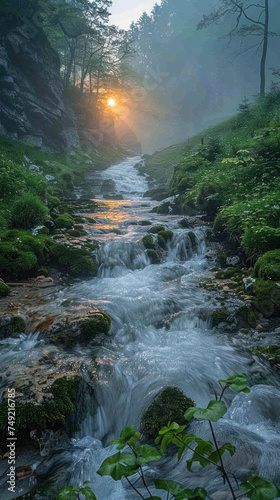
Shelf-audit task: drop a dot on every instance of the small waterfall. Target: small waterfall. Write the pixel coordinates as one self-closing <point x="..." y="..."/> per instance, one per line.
<point x="158" y="339"/>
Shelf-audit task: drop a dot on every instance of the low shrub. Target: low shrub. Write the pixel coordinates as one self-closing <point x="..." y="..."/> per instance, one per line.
<point x="28" y="211"/>
<point x="4" y="289"/>
<point x="268" y="266"/>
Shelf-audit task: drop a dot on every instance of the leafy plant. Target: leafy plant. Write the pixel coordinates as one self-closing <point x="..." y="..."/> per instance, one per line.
<point x="131" y="455"/>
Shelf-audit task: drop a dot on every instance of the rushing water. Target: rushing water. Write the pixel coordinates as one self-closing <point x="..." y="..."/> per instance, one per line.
<point x="157" y="339"/>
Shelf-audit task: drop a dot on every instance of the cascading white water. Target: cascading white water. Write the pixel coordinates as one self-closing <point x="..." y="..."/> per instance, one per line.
<point x="159" y="339"/>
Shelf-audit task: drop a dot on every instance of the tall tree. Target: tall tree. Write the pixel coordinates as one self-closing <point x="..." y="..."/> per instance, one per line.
<point x="256" y="26"/>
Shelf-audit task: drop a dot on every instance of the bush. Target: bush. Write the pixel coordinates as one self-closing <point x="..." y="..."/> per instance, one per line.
<point x="28" y="211"/>
<point x="15" y="263"/>
<point x="4" y="289"/>
<point x="260" y="239"/>
<point x="268" y="266"/>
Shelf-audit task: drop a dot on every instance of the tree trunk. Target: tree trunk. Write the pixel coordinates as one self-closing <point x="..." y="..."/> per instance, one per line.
<point x="264" y="52"/>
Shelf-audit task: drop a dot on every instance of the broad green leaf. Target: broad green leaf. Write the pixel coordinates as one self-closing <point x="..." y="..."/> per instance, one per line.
<point x="88" y="493"/>
<point x="214" y="411"/>
<point x="178" y="491"/>
<point x="146" y="453"/>
<point x="226" y="447"/>
<point x="114" y="466"/>
<point x="204" y="448"/>
<point x="237" y="382"/>
<point x="128" y="436"/>
<point x="172" y="427"/>
<point x="259" y="488"/>
<point x="67" y="493"/>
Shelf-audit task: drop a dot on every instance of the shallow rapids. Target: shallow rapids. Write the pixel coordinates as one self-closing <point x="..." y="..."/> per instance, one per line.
<point x="159" y="337"/>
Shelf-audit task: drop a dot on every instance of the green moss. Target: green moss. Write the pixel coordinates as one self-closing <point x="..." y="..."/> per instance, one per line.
<point x="145" y="223"/>
<point x="153" y="256"/>
<point x="246" y="317"/>
<point x="17" y="326"/>
<point x="266" y="297"/>
<point x="76" y="232"/>
<point x="219" y="316"/>
<point x="169" y="406"/>
<point x="28" y="211"/>
<point x="64" y="338"/>
<point x="64" y="221"/>
<point x="163" y="237"/>
<point x="148" y="241"/>
<point x="268" y="266"/>
<point x="15" y="263"/>
<point x="4" y="289"/>
<point x="156" y="229"/>
<point x="49" y="414"/>
<point x="100" y="324"/>
<point x="76" y="261"/>
<point x="192" y="237"/>
<point x="272" y="352"/>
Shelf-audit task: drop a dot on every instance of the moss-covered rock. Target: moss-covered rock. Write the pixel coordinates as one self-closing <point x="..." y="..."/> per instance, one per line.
<point x="268" y="265"/>
<point x="266" y="297"/>
<point x="168" y="406"/>
<point x="17" y="326"/>
<point x="163" y="237"/>
<point x="156" y="229"/>
<point x="148" y="241"/>
<point x="192" y="237"/>
<point x="64" y="221"/>
<point x="145" y="223"/>
<point x="272" y="352"/>
<point x="153" y="256"/>
<point x="4" y="289"/>
<point x="246" y="317"/>
<point x="219" y="316"/>
<point x="98" y="324"/>
<point x="76" y="261"/>
<point x="50" y="413"/>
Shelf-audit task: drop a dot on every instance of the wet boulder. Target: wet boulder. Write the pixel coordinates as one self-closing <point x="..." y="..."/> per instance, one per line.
<point x="168" y="406"/>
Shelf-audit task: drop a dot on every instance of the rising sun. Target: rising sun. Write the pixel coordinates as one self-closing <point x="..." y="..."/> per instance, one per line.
<point x="111" y="102"/>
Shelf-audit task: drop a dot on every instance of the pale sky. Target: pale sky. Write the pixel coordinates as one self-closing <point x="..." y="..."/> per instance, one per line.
<point x="126" y="11"/>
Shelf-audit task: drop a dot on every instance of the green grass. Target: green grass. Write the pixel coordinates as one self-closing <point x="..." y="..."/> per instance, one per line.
<point x="234" y="175"/>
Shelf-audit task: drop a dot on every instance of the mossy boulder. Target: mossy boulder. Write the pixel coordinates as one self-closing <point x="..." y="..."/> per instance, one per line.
<point x="163" y="237"/>
<point x="76" y="261"/>
<point x="145" y="223"/>
<point x="268" y="266"/>
<point x="97" y="324"/>
<point x="266" y="299"/>
<point x="49" y="414"/>
<point x="64" y="221"/>
<point x="168" y="406"/>
<point x="192" y="237"/>
<point x="148" y="241"/>
<point x="246" y="317"/>
<point x="156" y="229"/>
<point x="153" y="256"/>
<point x="219" y="316"/>
<point x="4" y="289"/>
<point x="11" y="326"/>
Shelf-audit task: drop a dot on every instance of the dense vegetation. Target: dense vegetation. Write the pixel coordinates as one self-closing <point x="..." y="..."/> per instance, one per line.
<point x="33" y="186"/>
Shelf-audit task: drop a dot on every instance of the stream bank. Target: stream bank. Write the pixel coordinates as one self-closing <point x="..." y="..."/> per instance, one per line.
<point x="161" y="334"/>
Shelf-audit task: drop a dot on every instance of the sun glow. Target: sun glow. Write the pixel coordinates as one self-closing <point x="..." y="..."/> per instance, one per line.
<point x="111" y="102"/>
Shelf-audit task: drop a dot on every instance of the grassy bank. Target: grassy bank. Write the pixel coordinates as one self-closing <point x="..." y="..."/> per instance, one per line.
<point x="33" y="188"/>
<point x="233" y="176"/>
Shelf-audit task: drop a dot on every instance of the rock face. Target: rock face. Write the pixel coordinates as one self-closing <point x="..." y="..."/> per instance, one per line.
<point x="33" y="106"/>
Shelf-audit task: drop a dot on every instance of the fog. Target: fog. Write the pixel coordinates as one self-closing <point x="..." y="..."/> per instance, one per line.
<point x="191" y="79"/>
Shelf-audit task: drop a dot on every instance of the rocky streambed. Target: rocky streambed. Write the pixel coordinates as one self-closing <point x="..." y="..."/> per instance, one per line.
<point x="87" y="357"/>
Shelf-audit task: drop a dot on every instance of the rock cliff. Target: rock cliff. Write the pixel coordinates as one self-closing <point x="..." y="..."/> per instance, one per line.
<point x="33" y="106"/>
